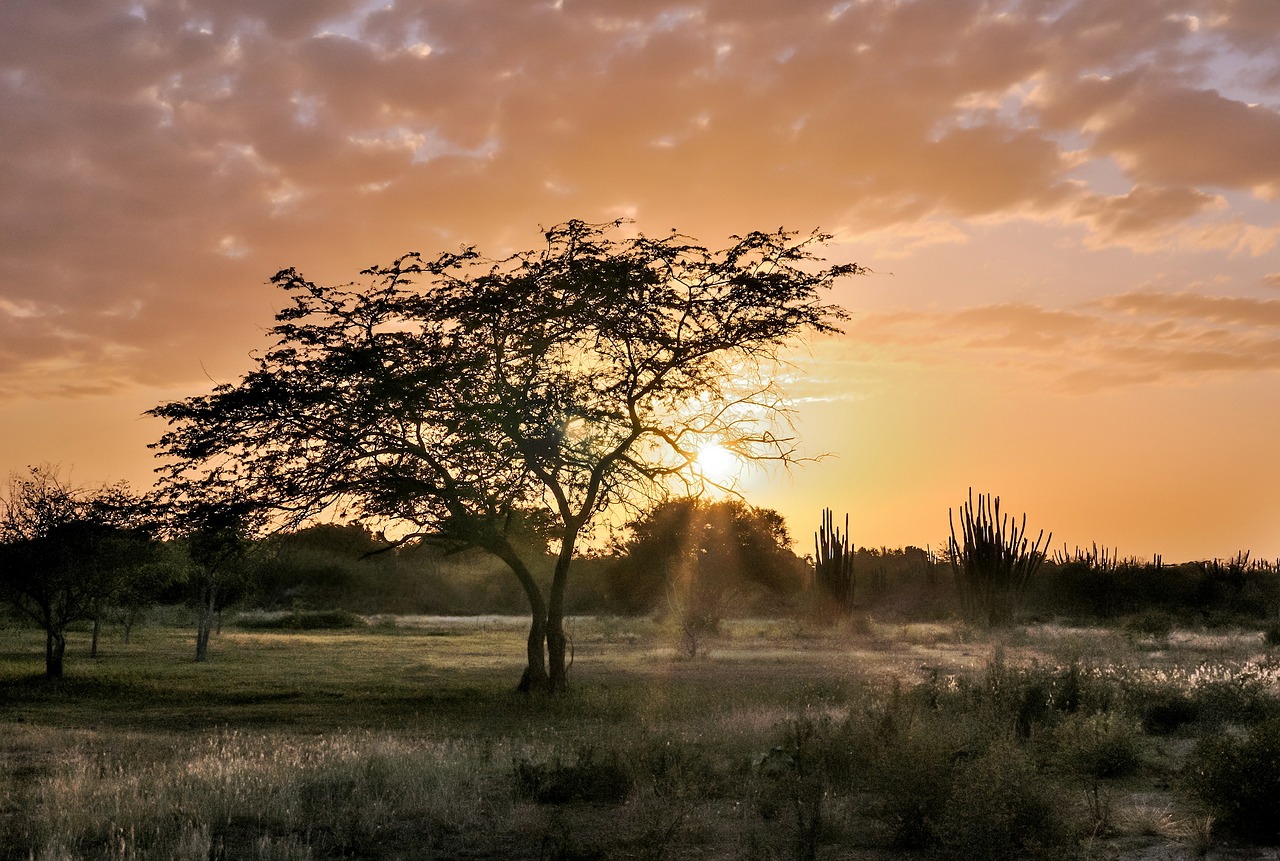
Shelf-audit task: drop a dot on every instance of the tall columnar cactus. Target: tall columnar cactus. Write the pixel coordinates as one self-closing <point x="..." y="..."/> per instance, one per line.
<point x="993" y="560"/>
<point x="833" y="562"/>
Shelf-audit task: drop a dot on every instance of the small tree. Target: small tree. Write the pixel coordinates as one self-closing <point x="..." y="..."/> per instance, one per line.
<point x="698" y="555"/>
<point x="993" y="560"/>
<point x="574" y="377"/>
<point x="216" y="534"/>
<point x="65" y="552"/>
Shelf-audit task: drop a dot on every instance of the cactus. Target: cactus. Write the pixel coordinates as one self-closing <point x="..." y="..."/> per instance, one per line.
<point x="995" y="561"/>
<point x="833" y="563"/>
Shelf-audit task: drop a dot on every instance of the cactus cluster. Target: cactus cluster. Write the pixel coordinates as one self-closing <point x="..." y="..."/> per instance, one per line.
<point x="833" y="562"/>
<point x="992" y="560"/>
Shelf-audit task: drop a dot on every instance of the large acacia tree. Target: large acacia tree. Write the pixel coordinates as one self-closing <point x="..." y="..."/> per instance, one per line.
<point x="455" y="395"/>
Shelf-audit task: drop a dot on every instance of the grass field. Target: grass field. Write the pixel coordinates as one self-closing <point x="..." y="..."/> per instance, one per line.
<point x="406" y="740"/>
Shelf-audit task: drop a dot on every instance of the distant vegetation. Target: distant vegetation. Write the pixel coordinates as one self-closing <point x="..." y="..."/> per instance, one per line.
<point x="690" y="564"/>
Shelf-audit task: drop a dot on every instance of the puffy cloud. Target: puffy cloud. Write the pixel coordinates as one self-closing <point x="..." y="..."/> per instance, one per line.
<point x="166" y="158"/>
<point x="1145" y="209"/>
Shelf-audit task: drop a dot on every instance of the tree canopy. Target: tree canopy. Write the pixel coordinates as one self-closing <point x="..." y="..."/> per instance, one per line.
<point x="445" y="398"/>
<point x="698" y="552"/>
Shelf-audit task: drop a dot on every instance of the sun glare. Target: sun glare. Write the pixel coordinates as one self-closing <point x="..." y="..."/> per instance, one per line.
<point x="718" y="464"/>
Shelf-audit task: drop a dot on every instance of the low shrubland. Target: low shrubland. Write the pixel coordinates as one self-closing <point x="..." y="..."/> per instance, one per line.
<point x="405" y="740"/>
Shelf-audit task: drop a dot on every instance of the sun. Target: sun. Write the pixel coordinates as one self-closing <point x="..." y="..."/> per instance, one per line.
<point x="718" y="464"/>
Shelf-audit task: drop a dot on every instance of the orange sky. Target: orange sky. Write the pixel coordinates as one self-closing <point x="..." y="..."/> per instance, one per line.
<point x="1073" y="209"/>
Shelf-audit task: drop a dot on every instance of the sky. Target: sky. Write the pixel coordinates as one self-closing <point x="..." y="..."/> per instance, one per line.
<point x="1071" y="211"/>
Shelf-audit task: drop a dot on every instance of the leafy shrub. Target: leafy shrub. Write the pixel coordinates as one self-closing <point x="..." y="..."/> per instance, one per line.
<point x="1001" y="808"/>
<point x="1166" y="711"/>
<point x="592" y="777"/>
<point x="1103" y="744"/>
<point x="914" y="774"/>
<point x="302" y="620"/>
<point x="1154" y="625"/>
<point x="1246" y="699"/>
<point x="1271" y="636"/>
<point x="1239" y="778"/>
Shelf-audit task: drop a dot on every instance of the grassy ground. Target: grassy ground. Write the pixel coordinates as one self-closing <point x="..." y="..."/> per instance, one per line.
<point x="406" y="740"/>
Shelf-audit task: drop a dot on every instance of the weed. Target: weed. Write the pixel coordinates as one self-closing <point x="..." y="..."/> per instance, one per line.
<point x="1001" y="808"/>
<point x="1103" y="745"/>
<point x="593" y="776"/>
<point x="1238" y="778"/>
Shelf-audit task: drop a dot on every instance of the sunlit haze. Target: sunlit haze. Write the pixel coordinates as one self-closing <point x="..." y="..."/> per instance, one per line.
<point x="1071" y="210"/>
<point x="719" y="465"/>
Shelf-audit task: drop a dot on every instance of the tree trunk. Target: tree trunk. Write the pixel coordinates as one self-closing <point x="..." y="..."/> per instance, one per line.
<point x="534" y="677"/>
<point x="93" y="643"/>
<point x="558" y="677"/>
<point x="55" y="647"/>
<point x="205" y="624"/>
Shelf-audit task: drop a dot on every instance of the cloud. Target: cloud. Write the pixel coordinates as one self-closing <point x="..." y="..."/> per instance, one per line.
<point x="166" y="158"/>
<point x="1144" y="209"/>
<point x="1137" y="337"/>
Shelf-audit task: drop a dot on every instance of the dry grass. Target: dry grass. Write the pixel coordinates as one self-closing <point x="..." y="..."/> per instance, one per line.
<point x="402" y="740"/>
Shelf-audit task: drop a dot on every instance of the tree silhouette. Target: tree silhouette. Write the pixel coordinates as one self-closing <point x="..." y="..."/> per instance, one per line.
<point x="698" y="556"/>
<point x="216" y="536"/>
<point x="717" y="546"/>
<point x="568" y="379"/>
<point x="65" y="552"/>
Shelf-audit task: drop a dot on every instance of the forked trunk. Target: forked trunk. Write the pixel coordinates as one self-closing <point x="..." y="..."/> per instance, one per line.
<point x="534" y="677"/>
<point x="557" y="642"/>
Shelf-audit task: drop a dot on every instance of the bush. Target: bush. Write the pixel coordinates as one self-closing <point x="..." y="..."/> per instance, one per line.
<point x="1239" y="778"/>
<point x="914" y="777"/>
<point x="1154" y="625"/>
<point x="1099" y="745"/>
<point x="1001" y="808"/>
<point x="592" y="777"/>
<point x="301" y="620"/>
<point x="1167" y="711"/>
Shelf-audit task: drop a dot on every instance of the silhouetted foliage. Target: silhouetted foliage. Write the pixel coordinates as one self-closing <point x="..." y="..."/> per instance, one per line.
<point x="216" y="533"/>
<point x="833" y="566"/>
<point x="67" y="552"/>
<point x="570" y="378"/>
<point x="696" y="556"/>
<point x="993" y="560"/>
<point x="1237" y="777"/>
<point x="323" y="565"/>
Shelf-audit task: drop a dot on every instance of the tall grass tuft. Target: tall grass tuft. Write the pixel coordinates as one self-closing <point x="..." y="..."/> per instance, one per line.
<point x="232" y="794"/>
